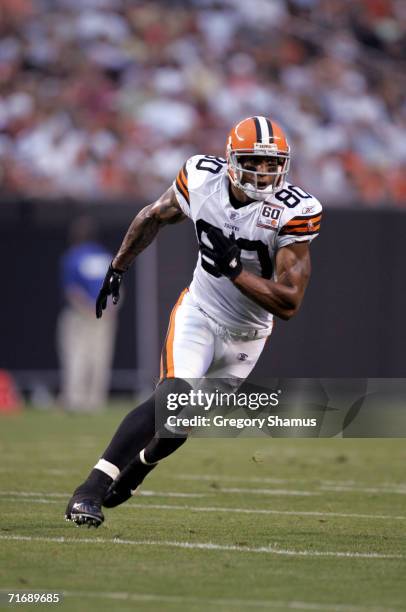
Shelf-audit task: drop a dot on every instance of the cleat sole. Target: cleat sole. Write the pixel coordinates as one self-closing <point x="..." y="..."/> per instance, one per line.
<point x="84" y="512"/>
<point x="84" y="519"/>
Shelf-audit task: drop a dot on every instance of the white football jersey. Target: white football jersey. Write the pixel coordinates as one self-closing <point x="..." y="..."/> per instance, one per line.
<point x="260" y="228"/>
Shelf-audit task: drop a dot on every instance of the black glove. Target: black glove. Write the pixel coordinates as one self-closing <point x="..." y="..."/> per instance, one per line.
<point x="225" y="253"/>
<point x="110" y="286"/>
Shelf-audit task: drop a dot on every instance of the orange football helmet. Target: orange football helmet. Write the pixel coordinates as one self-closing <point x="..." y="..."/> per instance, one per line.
<point x="258" y="137"/>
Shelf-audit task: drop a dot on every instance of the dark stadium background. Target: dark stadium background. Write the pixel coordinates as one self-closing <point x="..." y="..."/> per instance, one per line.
<point x="103" y="83"/>
<point x="351" y="323"/>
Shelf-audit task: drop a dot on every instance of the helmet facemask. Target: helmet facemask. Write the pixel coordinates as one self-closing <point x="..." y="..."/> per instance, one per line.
<point x="249" y="180"/>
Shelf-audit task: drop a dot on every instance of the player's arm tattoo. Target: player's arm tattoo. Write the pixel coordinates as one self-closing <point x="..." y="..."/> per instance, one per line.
<point x="283" y="296"/>
<point x="145" y="227"/>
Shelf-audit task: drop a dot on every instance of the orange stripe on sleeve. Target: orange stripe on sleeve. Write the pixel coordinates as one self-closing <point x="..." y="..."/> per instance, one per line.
<point x="182" y="183"/>
<point x="305" y="230"/>
<point x="298" y="231"/>
<point x="184" y="178"/>
<point x="298" y="228"/>
<point x="302" y="225"/>
<point x="302" y="221"/>
<point x="182" y="189"/>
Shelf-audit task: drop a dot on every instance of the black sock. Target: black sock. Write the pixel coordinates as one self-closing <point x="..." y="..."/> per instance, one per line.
<point x="160" y="447"/>
<point x="134" y="432"/>
<point x="136" y="470"/>
<point x="132" y="435"/>
<point x="139" y="426"/>
<point x="95" y="485"/>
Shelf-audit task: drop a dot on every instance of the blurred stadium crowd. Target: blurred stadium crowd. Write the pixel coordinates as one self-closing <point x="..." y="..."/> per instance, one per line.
<point x="105" y="99"/>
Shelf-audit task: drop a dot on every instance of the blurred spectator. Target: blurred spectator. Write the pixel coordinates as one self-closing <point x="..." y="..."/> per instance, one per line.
<point x="85" y="344"/>
<point x="101" y="99"/>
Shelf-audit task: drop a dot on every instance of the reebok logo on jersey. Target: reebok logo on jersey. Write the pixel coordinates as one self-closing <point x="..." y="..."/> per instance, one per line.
<point x="242" y="356"/>
<point x="307" y="209"/>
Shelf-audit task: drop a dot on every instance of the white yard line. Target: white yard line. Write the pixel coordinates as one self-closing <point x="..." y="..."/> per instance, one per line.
<point x="147" y="493"/>
<point x="224" y="477"/>
<point x="29" y="497"/>
<point x="143" y="493"/>
<point x="268" y="491"/>
<point x="231" y="603"/>
<point x="32" y="494"/>
<point x="264" y="511"/>
<point x="31" y="500"/>
<point x="355" y="489"/>
<point x="51" y="471"/>
<point x="333" y="485"/>
<point x="212" y="546"/>
<point x="336" y="485"/>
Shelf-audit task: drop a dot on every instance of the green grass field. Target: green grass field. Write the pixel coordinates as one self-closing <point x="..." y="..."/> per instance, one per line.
<point x="224" y="524"/>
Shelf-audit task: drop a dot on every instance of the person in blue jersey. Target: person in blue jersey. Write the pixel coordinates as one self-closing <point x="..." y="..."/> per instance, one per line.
<point x="85" y="346"/>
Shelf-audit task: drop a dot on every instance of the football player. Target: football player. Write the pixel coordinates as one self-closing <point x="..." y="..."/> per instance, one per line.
<point x="254" y="229"/>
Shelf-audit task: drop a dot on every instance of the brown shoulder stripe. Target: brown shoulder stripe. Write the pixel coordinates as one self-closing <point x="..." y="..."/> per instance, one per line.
<point x="182" y="190"/>
<point x="299" y="231"/>
<point x="294" y="226"/>
<point x="182" y="183"/>
<point x="304" y="219"/>
<point x="301" y="224"/>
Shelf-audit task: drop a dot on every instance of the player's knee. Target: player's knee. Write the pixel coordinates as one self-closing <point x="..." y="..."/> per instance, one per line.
<point x="173" y="385"/>
<point x="171" y="396"/>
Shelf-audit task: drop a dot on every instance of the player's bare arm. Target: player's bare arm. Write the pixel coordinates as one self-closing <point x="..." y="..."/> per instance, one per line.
<point x="284" y="296"/>
<point x="140" y="234"/>
<point x="145" y="227"/>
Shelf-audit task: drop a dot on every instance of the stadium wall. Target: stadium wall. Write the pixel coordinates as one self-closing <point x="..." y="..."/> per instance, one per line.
<point x="351" y="323"/>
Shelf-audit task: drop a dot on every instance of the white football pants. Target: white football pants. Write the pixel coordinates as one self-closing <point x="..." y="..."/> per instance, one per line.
<point x="196" y="346"/>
